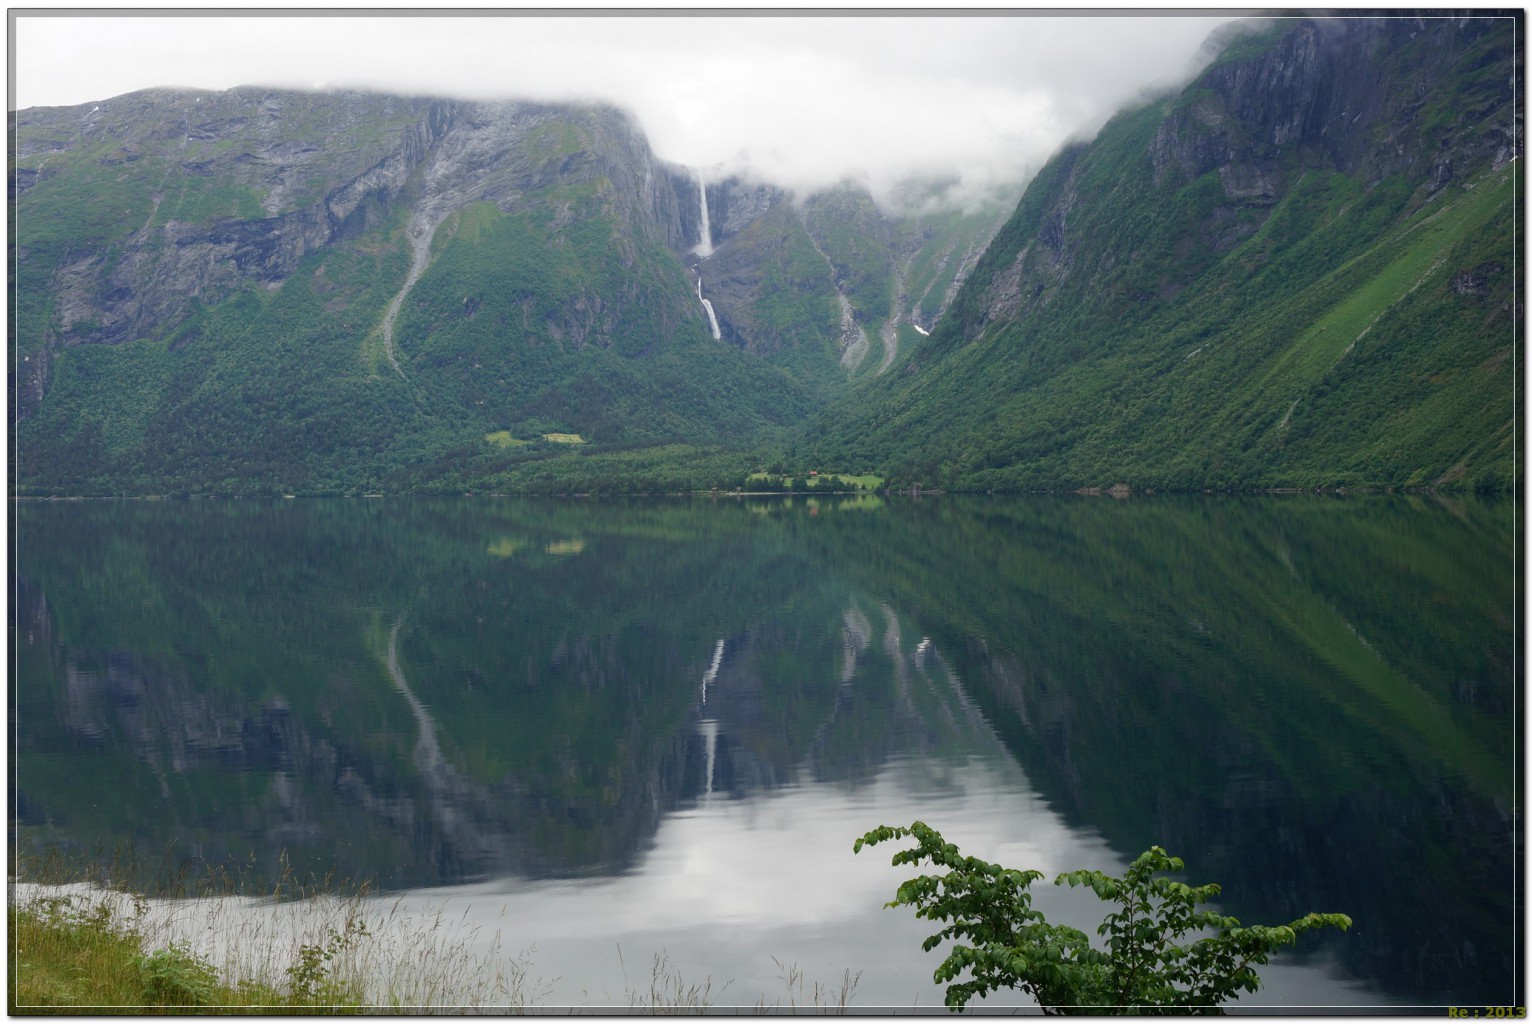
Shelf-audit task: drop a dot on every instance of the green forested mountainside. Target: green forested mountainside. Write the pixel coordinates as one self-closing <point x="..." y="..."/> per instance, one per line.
<point x="284" y="393"/>
<point x="551" y="300"/>
<point x="259" y="291"/>
<point x="1185" y="303"/>
<point x="1299" y="271"/>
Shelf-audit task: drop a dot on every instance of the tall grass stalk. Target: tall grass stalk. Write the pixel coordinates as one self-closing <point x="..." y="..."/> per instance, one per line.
<point x="668" y="993"/>
<point x="822" y="999"/>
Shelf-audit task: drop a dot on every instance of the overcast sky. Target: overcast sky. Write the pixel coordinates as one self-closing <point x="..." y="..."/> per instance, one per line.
<point x="802" y="100"/>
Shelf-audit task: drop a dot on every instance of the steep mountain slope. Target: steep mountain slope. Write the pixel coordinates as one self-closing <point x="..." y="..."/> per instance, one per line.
<point x="833" y="283"/>
<point x="1300" y="271"/>
<point x="253" y="291"/>
<point x="258" y="291"/>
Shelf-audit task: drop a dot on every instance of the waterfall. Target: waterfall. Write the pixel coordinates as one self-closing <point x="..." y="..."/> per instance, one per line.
<point x="712" y="670"/>
<point x="705" y="246"/>
<point x="709" y="726"/>
<point x="711" y="319"/>
<point x="710" y="736"/>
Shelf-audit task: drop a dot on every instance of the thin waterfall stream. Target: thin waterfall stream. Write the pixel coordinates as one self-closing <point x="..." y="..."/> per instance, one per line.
<point x="704" y="248"/>
<point x="712" y="319"/>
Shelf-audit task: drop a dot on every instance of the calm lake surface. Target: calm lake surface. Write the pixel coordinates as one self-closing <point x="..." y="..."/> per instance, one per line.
<point x="615" y="729"/>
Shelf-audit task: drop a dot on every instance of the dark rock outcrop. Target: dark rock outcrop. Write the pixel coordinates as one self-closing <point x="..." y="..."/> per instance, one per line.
<point x="1365" y="97"/>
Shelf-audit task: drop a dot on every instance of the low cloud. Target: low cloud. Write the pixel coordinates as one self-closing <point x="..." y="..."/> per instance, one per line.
<point x="978" y="103"/>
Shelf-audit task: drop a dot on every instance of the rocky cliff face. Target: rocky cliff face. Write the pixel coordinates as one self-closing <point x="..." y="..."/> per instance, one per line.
<point x="1215" y="287"/>
<point x="1367" y="98"/>
<point x="833" y="272"/>
<point x="238" y="187"/>
<point x="1362" y="95"/>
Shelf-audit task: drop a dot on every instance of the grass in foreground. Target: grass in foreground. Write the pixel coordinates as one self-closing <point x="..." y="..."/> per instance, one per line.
<point x="68" y="956"/>
<point x="81" y="948"/>
<point x="77" y="948"/>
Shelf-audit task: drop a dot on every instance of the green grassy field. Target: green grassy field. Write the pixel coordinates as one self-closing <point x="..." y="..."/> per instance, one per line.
<point x="827" y="480"/>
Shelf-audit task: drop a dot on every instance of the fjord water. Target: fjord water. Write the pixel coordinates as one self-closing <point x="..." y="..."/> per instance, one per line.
<point x="614" y="729"/>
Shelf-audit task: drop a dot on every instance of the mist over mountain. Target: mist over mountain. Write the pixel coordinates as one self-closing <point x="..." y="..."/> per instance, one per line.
<point x="798" y="101"/>
<point x="258" y="290"/>
<point x="1300" y="271"/>
<point x="1295" y="271"/>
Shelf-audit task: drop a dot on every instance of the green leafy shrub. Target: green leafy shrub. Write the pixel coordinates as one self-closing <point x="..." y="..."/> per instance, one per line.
<point x="175" y="976"/>
<point x="313" y="978"/>
<point x="1144" y="969"/>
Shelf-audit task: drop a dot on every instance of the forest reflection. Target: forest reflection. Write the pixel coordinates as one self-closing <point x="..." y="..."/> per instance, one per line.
<point x="1311" y="699"/>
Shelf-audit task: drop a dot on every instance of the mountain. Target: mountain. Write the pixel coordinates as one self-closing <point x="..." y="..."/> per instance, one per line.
<point x="1299" y="271"/>
<point x="831" y="279"/>
<point x="258" y="291"/>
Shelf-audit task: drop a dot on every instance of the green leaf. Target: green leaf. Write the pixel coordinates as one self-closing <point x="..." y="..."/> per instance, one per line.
<point x="1144" y="966"/>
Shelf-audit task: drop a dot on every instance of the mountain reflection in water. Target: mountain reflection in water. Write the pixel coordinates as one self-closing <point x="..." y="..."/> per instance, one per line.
<point x="660" y="724"/>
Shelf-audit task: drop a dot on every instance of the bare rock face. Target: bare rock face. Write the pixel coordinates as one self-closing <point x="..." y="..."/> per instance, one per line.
<point x="734" y="203"/>
<point x="289" y="173"/>
<point x="1356" y="93"/>
<point x="1362" y="97"/>
<point x="1022" y="280"/>
<point x="135" y="212"/>
<point x="764" y="260"/>
<point x="218" y="190"/>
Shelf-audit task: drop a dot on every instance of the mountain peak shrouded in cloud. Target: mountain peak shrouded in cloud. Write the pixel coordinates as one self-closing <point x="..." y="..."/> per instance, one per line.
<point x="802" y="101"/>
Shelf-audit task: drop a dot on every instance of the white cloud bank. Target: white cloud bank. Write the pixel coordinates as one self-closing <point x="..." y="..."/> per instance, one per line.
<point x="801" y="100"/>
